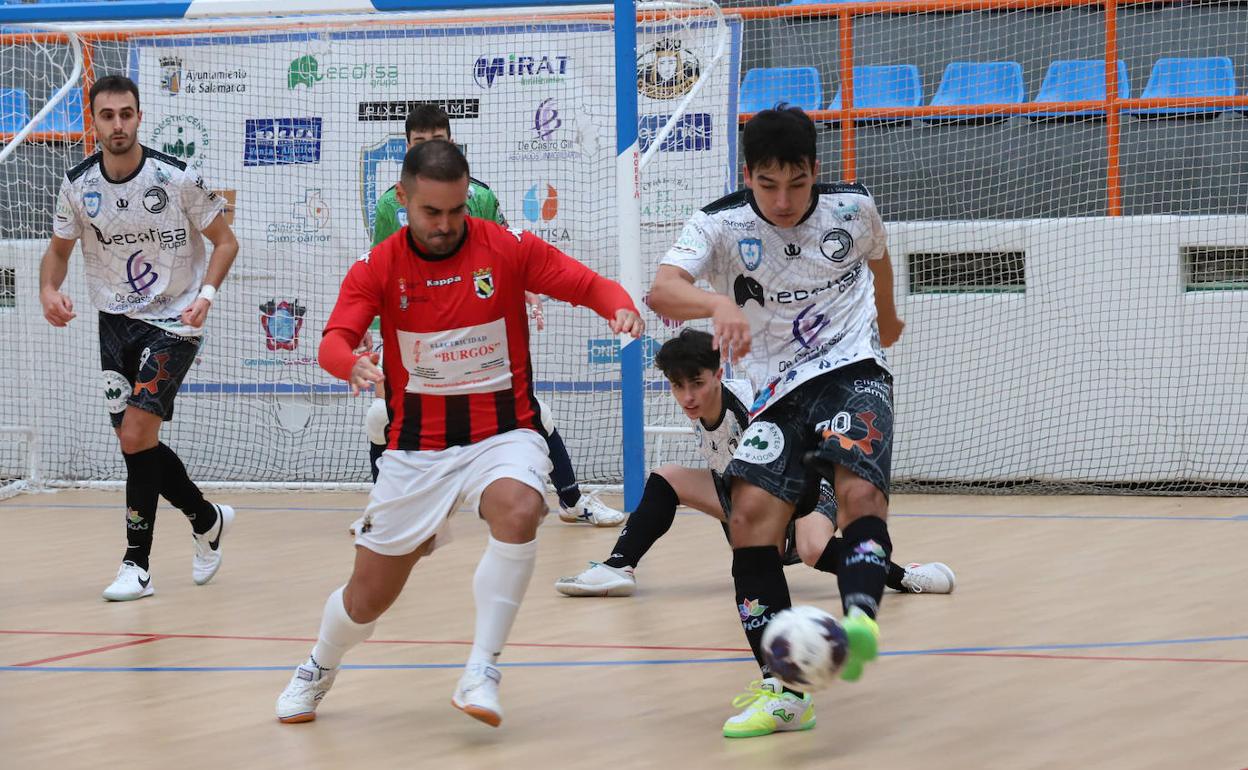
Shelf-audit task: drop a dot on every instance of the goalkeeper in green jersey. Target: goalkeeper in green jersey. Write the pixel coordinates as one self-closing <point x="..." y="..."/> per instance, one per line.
<point x="425" y="122"/>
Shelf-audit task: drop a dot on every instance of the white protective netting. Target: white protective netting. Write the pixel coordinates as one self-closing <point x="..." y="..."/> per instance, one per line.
<point x="300" y="126"/>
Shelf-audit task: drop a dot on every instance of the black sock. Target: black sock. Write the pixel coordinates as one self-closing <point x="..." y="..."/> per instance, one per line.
<point x="142" y="495"/>
<point x="830" y="561"/>
<point x="374" y="454"/>
<point x="761" y="593"/>
<point x="864" y="564"/>
<point x="562" y="474"/>
<point x="652" y="519"/>
<point x="179" y="490"/>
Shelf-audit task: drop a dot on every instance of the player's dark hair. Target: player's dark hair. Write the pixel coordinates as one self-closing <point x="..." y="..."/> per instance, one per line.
<point x="684" y="356"/>
<point x="426" y="117"/>
<point x="784" y="136"/>
<point x="113" y="84"/>
<point x="437" y="160"/>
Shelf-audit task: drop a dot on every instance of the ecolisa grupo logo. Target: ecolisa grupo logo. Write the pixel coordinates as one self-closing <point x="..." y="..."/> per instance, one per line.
<point x="691" y="132"/>
<point x="527" y="69"/>
<point x="666" y="70"/>
<point x="550" y="140"/>
<point x="307" y="71"/>
<point x="184" y="137"/>
<point x="281" y="321"/>
<point x="281" y="141"/>
<point x="307" y="221"/>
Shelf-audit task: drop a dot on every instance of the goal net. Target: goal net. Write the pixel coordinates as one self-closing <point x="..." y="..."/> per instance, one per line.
<point x="299" y="125"/>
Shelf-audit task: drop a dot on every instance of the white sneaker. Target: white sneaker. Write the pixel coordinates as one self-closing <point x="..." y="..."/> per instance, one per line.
<point x="307" y="688"/>
<point x="591" y="510"/>
<point x="931" y="578"/>
<point x="207" y="558"/>
<point x="768" y="709"/>
<point x="132" y="582"/>
<point x="599" y="580"/>
<point x="477" y="694"/>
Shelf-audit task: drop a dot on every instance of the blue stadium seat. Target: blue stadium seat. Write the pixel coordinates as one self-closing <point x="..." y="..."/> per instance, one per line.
<point x="966" y="82"/>
<point x="890" y="85"/>
<point x="66" y="115"/>
<point x="1078" y="80"/>
<point x="1212" y="76"/>
<point x="764" y="87"/>
<point x="14" y="110"/>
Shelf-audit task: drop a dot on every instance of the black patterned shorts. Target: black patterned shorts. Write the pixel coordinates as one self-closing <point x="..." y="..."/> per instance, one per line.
<point x="143" y="365"/>
<point x="816" y="497"/>
<point x="846" y="416"/>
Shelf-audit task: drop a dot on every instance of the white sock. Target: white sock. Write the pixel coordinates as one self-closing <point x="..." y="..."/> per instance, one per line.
<point x="498" y="586"/>
<point x="339" y="632"/>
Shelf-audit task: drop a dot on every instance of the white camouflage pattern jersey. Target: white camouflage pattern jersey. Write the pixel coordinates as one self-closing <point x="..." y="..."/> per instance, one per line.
<point x="806" y="290"/>
<point x="140" y="236"/>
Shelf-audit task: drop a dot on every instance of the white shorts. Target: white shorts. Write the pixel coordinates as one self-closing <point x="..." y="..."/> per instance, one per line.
<point x="416" y="492"/>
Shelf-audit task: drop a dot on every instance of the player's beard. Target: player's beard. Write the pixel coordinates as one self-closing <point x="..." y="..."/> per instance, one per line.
<point x="446" y="242"/>
<point x="119" y="144"/>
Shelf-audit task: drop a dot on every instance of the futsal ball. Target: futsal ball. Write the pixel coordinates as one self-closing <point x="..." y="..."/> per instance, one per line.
<point x="804" y="647"/>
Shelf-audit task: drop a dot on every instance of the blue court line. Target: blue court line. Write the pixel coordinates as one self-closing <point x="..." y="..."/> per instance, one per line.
<point x="601" y="663"/>
<point x="985" y="516"/>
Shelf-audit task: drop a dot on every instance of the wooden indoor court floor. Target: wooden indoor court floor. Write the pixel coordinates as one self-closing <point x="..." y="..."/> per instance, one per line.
<point x="1086" y="632"/>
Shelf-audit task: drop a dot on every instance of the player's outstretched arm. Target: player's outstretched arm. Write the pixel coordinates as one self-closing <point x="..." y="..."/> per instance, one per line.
<point x="550" y="271"/>
<point x="224" y="250"/>
<point x="890" y="324"/>
<point x="673" y="295"/>
<point x="58" y="308"/>
<point x="359" y="301"/>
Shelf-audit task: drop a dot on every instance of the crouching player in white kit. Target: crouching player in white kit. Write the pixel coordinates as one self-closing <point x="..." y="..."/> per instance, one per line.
<point x="719" y="411"/>
<point x="450" y="293"/>
<point x="803" y="296"/>
<point x="140" y="215"/>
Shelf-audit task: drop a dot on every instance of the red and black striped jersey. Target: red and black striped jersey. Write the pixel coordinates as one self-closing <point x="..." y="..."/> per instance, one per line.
<point x="455" y="329"/>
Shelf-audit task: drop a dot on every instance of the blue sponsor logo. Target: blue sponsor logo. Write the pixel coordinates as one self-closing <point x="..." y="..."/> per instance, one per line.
<point x="751" y="251"/>
<point x="692" y="132"/>
<point x="607" y="350"/>
<point x="282" y="141"/>
<point x="384" y="157"/>
<point x="91" y="202"/>
<point x="531" y="69"/>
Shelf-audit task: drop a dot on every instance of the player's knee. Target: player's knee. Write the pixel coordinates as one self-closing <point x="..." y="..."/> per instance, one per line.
<point x="809" y="548"/>
<point x="859" y="498"/>
<point x="365" y="600"/>
<point x="133" y="440"/>
<point x="376" y="422"/>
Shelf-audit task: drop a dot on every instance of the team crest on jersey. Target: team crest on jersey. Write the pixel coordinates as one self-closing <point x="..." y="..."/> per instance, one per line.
<point x="835" y="245"/>
<point x="483" y="282"/>
<point x="751" y="251"/>
<point x="91" y="202"/>
<point x="155" y="199"/>
<point x="281" y="322"/>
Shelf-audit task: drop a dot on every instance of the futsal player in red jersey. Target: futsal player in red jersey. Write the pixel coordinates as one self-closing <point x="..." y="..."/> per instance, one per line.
<point x="464" y="423"/>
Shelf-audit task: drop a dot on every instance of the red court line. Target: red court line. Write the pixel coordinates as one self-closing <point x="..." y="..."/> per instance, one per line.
<point x="91" y="651"/>
<point x="1128" y="658"/>
<point x="550" y="645"/>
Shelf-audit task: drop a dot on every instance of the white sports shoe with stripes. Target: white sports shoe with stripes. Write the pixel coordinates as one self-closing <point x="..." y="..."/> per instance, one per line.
<point x="306" y="690"/>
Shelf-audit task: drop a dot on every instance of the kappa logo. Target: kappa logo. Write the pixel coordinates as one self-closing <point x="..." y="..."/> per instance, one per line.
<point x="483" y="282"/>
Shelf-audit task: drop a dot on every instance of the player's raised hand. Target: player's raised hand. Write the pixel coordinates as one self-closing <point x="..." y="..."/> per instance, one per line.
<point x="58" y="308"/>
<point x="366" y="373"/>
<point x="627" y="322"/>
<point x="195" y="315"/>
<point x="890" y="329"/>
<point x="535" y="309"/>
<point x="731" y="329"/>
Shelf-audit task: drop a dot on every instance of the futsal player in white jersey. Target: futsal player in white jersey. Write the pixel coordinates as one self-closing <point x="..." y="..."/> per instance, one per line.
<point x="718" y="409"/>
<point x="802" y="297"/>
<point x="142" y="216"/>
